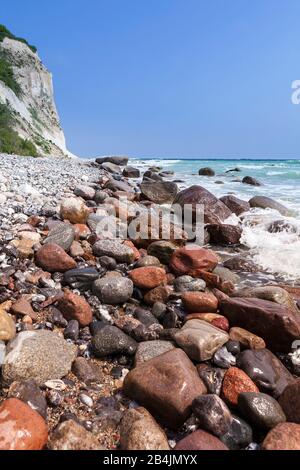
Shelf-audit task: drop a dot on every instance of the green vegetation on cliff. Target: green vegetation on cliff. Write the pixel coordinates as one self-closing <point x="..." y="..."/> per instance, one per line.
<point x="7" y="75"/>
<point x="5" y="33"/>
<point x="10" y="141"/>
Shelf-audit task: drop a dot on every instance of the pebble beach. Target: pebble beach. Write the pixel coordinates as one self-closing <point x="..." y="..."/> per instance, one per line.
<point x="111" y="343"/>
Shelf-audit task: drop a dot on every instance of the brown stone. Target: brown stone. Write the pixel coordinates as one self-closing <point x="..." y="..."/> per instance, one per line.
<point x="7" y="324"/>
<point x="76" y="249"/>
<point x="237" y="206"/>
<point x="23" y="307"/>
<point x="158" y="294"/>
<point x="75" y="307"/>
<point x="213" y="318"/>
<point x="148" y="277"/>
<point x="140" y="431"/>
<point x="285" y="436"/>
<point x="21" y="428"/>
<point x="247" y="339"/>
<point x="224" y="234"/>
<point x="235" y="382"/>
<point x="185" y="260"/>
<point x="70" y="435"/>
<point x="290" y="402"/>
<point x="52" y="258"/>
<point x="200" y="440"/>
<point x="198" y="302"/>
<point x="276" y="324"/>
<point x="74" y="210"/>
<point x="166" y="385"/>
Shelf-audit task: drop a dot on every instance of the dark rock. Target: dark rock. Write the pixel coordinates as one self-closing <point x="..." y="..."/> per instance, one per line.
<point x="261" y="410"/>
<point x="251" y="181"/>
<point x="239" y="435"/>
<point x="212" y="378"/>
<point x="72" y="330"/>
<point x="107" y="262"/>
<point x="277" y="325"/>
<point x="145" y="316"/>
<point x="233" y="347"/>
<point x="224" y="234"/>
<point x="237" y="206"/>
<point x="212" y="413"/>
<point x="214" y="209"/>
<point x="29" y="392"/>
<point x="80" y="278"/>
<point x="111" y="340"/>
<point x="121" y="161"/>
<point x="267" y="372"/>
<point x="279" y="226"/>
<point x="160" y="192"/>
<point x="162" y="249"/>
<point x="265" y="202"/>
<point x="206" y="172"/>
<point x="131" y="172"/>
<point x="84" y="371"/>
<point x="290" y="401"/>
<point x="240" y="263"/>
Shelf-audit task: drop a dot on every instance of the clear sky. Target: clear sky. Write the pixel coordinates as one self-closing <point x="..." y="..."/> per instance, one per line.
<point x="169" y="78"/>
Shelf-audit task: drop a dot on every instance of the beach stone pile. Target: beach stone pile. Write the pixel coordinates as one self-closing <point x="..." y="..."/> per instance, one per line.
<point x="111" y="342"/>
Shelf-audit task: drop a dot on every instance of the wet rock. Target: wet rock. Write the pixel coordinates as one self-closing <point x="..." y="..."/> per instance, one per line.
<point x="62" y="235"/>
<point x="265" y="370"/>
<point x="188" y="284"/>
<point x="284" y="436"/>
<point x="213" y="318"/>
<point x="251" y="181"/>
<point x="147" y="260"/>
<point x="74" y="210"/>
<point x="84" y="191"/>
<point x="239" y="435"/>
<point x="111" y="340"/>
<point x="28" y="392"/>
<point x="39" y="355"/>
<point x="108" y="263"/>
<point x="237" y="206"/>
<point x="240" y="263"/>
<point x="145" y="317"/>
<point x="139" y="431"/>
<point x="75" y="307"/>
<point x="214" y="209"/>
<point x="21" y="428"/>
<point x="235" y="382"/>
<point x="226" y="275"/>
<point x="279" y="226"/>
<point x="114" y="249"/>
<point x="212" y="414"/>
<point x="233" y="347"/>
<point x="212" y="377"/>
<point x="273" y="293"/>
<point x="149" y="349"/>
<point x="148" y="277"/>
<point x="224" y="234"/>
<point x="70" y="435"/>
<point x="277" y="325"/>
<point x="186" y="260"/>
<point x="166" y="385"/>
<point x="160" y="192"/>
<point x="223" y="358"/>
<point x="114" y="290"/>
<point x="261" y="410"/>
<point x="80" y="278"/>
<point x="206" y="172"/>
<point x="53" y="258"/>
<point x="198" y="302"/>
<point x="200" y="440"/>
<point x="200" y="340"/>
<point x="247" y="339"/>
<point x="265" y="202"/>
<point x="162" y="249"/>
<point x="158" y="294"/>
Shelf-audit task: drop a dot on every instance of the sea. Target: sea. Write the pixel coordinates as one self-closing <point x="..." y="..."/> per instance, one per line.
<point x="277" y="254"/>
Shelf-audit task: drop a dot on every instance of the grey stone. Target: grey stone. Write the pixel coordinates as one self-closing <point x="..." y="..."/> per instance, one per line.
<point x="261" y="410"/>
<point x="212" y="413"/>
<point x="113" y="290"/>
<point x="62" y="235"/>
<point x="111" y="340"/>
<point x="149" y="349"/>
<point x="113" y="248"/>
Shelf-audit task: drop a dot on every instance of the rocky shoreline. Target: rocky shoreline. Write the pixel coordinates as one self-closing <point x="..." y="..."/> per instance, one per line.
<point x="136" y="343"/>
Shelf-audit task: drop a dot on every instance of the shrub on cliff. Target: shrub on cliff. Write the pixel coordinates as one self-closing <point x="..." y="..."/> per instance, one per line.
<point x="5" y="33"/>
<point x="10" y="141"/>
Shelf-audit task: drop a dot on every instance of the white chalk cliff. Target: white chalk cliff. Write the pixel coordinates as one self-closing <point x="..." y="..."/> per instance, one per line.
<point x="32" y="108"/>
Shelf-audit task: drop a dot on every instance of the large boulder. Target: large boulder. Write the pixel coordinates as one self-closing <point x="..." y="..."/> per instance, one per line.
<point x="116" y="160"/>
<point x="190" y="258"/>
<point x="166" y="385"/>
<point x="236" y="205"/>
<point x="207" y="171"/>
<point x="277" y="325"/>
<point x="273" y="293"/>
<point x="215" y="211"/>
<point x="252" y="181"/>
<point x="160" y="192"/>
<point x="224" y="234"/>
<point x="265" y="202"/>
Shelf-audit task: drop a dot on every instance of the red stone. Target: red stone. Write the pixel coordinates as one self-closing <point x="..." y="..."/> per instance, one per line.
<point x="199" y="302"/>
<point x="148" y="277"/>
<point x="75" y="307"/>
<point x="284" y="436"/>
<point x="200" y="440"/>
<point x="235" y="382"/>
<point x="52" y="258"/>
<point x="21" y="428"/>
<point x="185" y="260"/>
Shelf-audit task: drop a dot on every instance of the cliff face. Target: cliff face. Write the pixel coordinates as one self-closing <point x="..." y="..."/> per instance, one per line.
<point x="27" y="101"/>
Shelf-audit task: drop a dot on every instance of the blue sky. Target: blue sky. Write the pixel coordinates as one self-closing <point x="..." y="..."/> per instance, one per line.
<point x="169" y="78"/>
